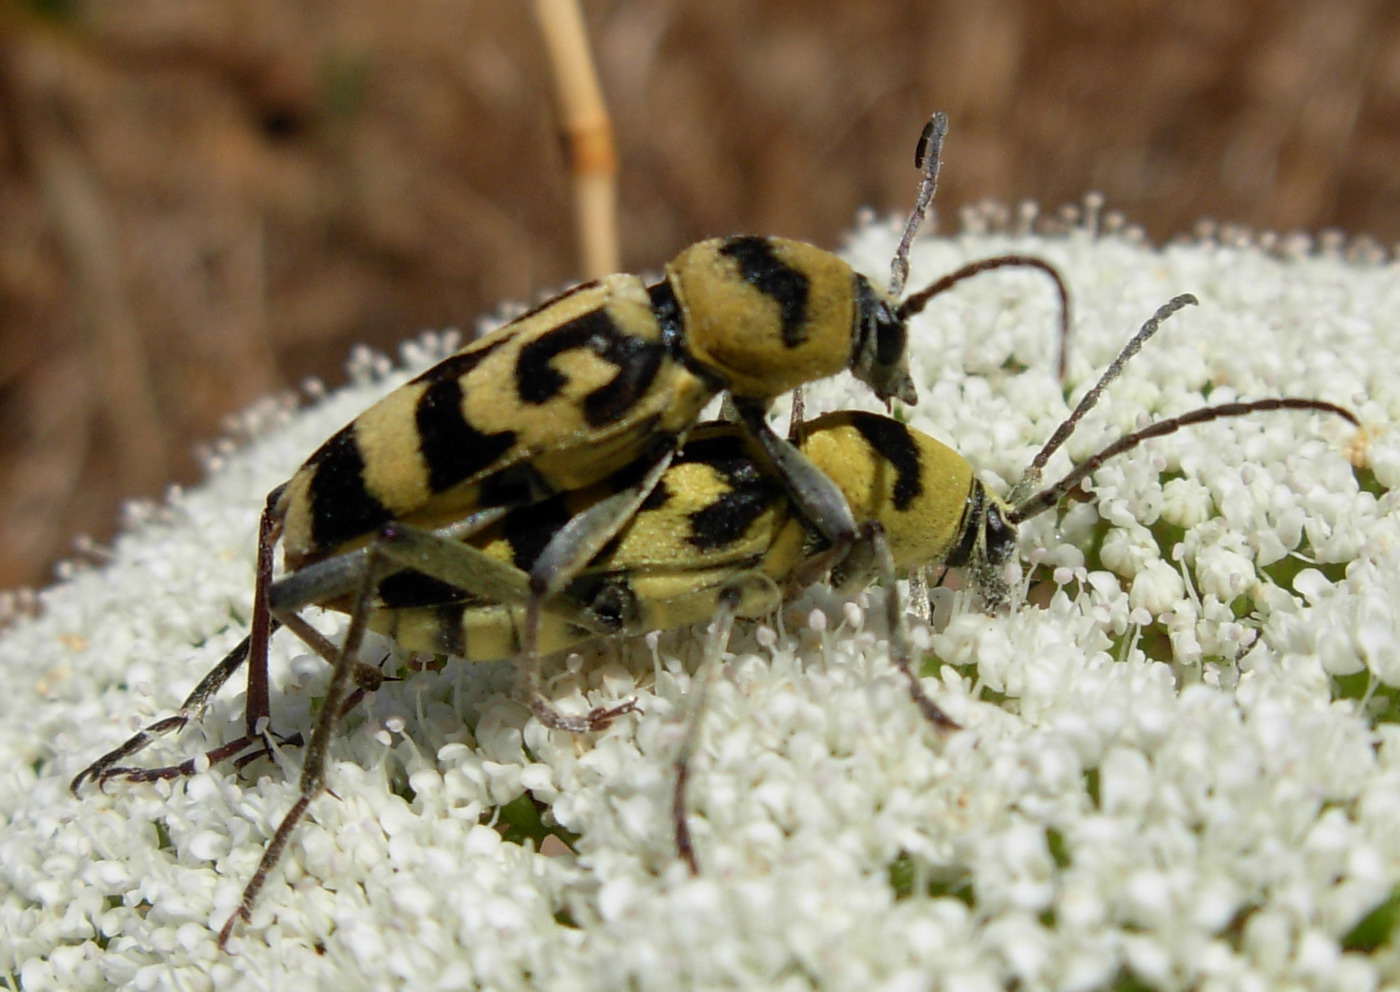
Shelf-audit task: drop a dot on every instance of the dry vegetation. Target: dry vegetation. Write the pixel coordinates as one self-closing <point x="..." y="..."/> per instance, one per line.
<point x="206" y="200"/>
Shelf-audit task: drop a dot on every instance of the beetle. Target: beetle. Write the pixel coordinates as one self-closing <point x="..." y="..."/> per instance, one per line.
<point x="719" y="537"/>
<point x="603" y="382"/>
<point x="606" y="378"/>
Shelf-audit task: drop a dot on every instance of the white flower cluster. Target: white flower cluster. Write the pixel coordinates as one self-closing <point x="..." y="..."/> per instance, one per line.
<point x="1179" y="765"/>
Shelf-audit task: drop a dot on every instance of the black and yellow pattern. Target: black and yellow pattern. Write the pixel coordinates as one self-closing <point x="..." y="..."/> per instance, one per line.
<point x="608" y="374"/>
<point x="716" y="514"/>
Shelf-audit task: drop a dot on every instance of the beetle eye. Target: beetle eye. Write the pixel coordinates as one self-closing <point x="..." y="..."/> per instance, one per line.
<point x="890" y="335"/>
<point x="879" y="358"/>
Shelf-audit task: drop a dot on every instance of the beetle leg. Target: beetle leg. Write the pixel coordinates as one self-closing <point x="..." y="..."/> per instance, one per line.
<point x="313" y="773"/>
<point x="566" y="555"/>
<point x="797" y="419"/>
<point x="107" y="767"/>
<point x="468" y="568"/>
<point x="898" y="625"/>
<point x="715" y="643"/>
<point x="818" y="498"/>
<point x="252" y="649"/>
<point x="275" y="604"/>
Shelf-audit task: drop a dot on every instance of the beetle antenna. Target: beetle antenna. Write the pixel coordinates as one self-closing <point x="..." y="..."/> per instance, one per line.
<point x="927" y="154"/>
<point x="1048" y="497"/>
<point x="1091" y="398"/>
<point x="916" y="303"/>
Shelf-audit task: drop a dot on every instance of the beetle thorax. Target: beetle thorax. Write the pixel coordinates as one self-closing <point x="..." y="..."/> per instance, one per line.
<point x="766" y="314"/>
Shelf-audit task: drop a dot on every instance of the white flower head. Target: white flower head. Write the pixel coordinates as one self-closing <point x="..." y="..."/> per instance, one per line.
<point x="1178" y="763"/>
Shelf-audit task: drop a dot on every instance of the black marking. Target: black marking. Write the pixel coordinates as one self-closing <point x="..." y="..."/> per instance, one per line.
<point x="529" y="529"/>
<point x="341" y="507"/>
<point x="514" y="485"/>
<point x="891" y="440"/>
<point x="453" y="449"/>
<point x="864" y="320"/>
<point x="537" y="381"/>
<point x="460" y="364"/>
<point x="969" y="527"/>
<point x="788" y="287"/>
<point x="667" y="311"/>
<point x="749" y="493"/>
<point x="659" y="496"/>
<point x="451" y="637"/>
<point x="410" y="588"/>
<point x="891" y="337"/>
<point x="999" y="542"/>
<point x="637" y="363"/>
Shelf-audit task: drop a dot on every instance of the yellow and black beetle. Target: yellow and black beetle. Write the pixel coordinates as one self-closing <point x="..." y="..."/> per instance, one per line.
<point x="719" y="537"/>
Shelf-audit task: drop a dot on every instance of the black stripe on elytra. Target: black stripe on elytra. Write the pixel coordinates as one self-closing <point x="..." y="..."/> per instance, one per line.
<point x="341" y="507"/>
<point x="892" y="441"/>
<point x="528" y="529"/>
<point x="410" y="588"/>
<point x="514" y="485"/>
<point x="537" y="381"/>
<point x="457" y="365"/>
<point x="453" y="449"/>
<point x="749" y="494"/>
<point x="762" y="270"/>
<point x="637" y="363"/>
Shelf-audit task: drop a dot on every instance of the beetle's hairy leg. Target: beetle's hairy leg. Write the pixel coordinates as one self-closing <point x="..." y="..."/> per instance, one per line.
<point x="107" y="767"/>
<point x="313" y="774"/>
<point x="532" y="686"/>
<point x="461" y="566"/>
<point x="715" y="644"/>
<point x="797" y="419"/>
<point x="818" y="499"/>
<point x="257" y="706"/>
<point x="566" y="555"/>
<point x="252" y="650"/>
<point x="898" y="625"/>
<point x="340" y="575"/>
<point x="468" y="568"/>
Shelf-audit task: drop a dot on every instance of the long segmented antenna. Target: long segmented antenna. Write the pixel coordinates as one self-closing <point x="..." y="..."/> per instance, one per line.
<point x="1046" y="498"/>
<point x="916" y="303"/>
<point x="927" y="155"/>
<point x="1091" y="398"/>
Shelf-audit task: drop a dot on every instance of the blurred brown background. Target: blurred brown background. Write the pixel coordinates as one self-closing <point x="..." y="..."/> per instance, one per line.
<point x="203" y="201"/>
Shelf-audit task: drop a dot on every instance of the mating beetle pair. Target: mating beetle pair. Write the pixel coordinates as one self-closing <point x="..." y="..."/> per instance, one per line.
<point x="578" y="410"/>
